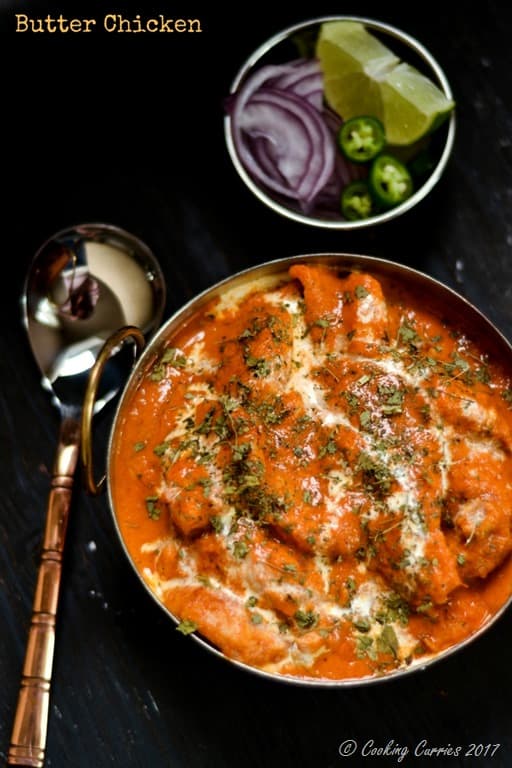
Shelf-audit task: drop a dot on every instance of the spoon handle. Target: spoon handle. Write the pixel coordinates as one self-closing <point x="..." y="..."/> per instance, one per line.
<point x="28" y="740"/>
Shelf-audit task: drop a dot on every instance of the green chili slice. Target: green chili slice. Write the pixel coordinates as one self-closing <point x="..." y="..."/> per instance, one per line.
<point x="357" y="202"/>
<point x="390" y="182"/>
<point x="361" y="138"/>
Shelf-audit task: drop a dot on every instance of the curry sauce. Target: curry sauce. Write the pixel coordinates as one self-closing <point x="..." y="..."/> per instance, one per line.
<point x="315" y="475"/>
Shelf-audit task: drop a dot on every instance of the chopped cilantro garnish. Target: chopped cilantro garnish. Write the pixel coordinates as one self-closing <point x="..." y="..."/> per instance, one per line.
<point x="362" y="625"/>
<point x="152" y="508"/>
<point x="364" y="647"/>
<point x="376" y="476"/>
<point x="258" y="366"/>
<point x="408" y="335"/>
<point x="171" y="357"/>
<point x="216" y="523"/>
<point x="387" y="641"/>
<point x="306" y="619"/>
<point x="186" y="627"/>
<point x="240" y="549"/>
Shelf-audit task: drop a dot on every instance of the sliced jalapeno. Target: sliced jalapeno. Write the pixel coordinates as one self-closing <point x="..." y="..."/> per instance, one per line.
<point x="389" y="180"/>
<point x="361" y="138"/>
<point x="356" y="201"/>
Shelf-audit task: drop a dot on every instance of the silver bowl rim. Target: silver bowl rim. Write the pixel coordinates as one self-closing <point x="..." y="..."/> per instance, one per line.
<point x="346" y="261"/>
<point x="295" y="215"/>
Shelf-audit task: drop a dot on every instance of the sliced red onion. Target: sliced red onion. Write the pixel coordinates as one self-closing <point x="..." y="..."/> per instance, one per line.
<point x="300" y="140"/>
<point x="297" y="71"/>
<point x="312" y="91"/>
<point x="262" y="149"/>
<point x="280" y="135"/>
<point x="304" y="78"/>
<point x="252" y="84"/>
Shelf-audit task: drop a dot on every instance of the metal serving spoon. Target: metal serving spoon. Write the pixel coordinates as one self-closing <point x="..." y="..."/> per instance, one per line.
<point x="84" y="284"/>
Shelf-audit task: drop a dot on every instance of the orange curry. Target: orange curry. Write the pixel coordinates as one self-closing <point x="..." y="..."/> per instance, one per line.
<point x="315" y="475"/>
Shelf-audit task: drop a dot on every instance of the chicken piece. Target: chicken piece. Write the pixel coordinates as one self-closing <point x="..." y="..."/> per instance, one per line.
<point x="422" y="574"/>
<point x="343" y="313"/>
<point x="479" y="506"/>
<point x="226" y="622"/>
<point x="445" y="625"/>
<point x="189" y="498"/>
<point x="365" y="313"/>
<point x="167" y="561"/>
<point x="455" y="403"/>
<point x="482" y="538"/>
<point x="323" y="297"/>
<point x="477" y="467"/>
<point x="191" y="512"/>
<point x="259" y="351"/>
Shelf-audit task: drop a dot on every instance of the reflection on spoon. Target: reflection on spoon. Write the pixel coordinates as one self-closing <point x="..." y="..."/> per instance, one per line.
<point x="83" y="284"/>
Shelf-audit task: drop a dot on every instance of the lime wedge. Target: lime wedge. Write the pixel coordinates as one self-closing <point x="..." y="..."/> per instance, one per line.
<point x="352" y="60"/>
<point x="364" y="77"/>
<point x="349" y="43"/>
<point x="413" y="105"/>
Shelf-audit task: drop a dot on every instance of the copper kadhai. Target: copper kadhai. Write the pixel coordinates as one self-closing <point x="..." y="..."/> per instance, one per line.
<point x="309" y="470"/>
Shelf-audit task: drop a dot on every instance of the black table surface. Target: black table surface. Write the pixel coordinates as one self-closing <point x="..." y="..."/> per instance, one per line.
<point x="125" y="130"/>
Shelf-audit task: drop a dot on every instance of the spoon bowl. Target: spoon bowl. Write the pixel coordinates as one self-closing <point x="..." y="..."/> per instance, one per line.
<point x="84" y="284"/>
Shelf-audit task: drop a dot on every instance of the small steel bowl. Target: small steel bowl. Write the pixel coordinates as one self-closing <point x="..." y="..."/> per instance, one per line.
<point x="442" y="300"/>
<point x="274" y="50"/>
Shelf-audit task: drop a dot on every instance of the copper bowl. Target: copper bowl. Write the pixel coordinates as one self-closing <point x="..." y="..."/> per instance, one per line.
<point x="441" y="299"/>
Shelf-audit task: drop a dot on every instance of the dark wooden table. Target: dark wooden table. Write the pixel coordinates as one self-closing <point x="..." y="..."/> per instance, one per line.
<point x="128" y="130"/>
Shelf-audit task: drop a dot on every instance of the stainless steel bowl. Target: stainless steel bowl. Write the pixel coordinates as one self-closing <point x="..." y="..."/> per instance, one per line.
<point x="441" y="299"/>
<point x="446" y="134"/>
